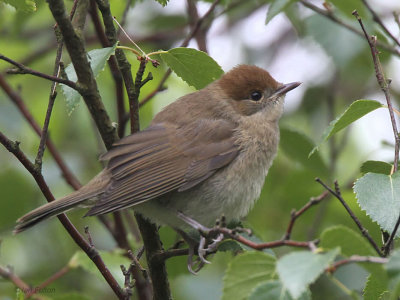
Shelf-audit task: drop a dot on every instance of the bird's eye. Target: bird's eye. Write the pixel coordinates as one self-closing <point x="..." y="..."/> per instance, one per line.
<point x="256" y="95"/>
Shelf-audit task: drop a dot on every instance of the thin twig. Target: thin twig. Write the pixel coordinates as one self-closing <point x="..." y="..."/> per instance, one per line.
<point x="160" y="87"/>
<point x="335" y="19"/>
<point x="21" y="69"/>
<point x="356" y="259"/>
<point x="8" y="273"/>
<point x="18" y="101"/>
<point x="13" y="147"/>
<point x="48" y="281"/>
<point x="295" y="214"/>
<point x="384" y="85"/>
<point x="363" y="230"/>
<point x="52" y="98"/>
<point x="378" y="20"/>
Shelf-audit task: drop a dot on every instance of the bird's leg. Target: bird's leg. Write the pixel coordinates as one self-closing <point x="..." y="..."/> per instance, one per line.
<point x="205" y="232"/>
<point x="192" y="244"/>
<point x="193" y="223"/>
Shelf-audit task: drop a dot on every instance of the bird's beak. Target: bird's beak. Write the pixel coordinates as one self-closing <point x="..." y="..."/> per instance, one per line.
<point x="284" y="88"/>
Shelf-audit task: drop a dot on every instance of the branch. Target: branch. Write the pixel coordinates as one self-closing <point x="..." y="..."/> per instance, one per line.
<point x="48" y="281"/>
<point x="363" y="230"/>
<point x="296" y="214"/>
<point x="86" y="80"/>
<point x="113" y="64"/>
<point x="7" y="273"/>
<point x="16" y="98"/>
<point x="335" y="19"/>
<point x="384" y="85"/>
<point x="25" y="70"/>
<point x="378" y="20"/>
<point x="356" y="259"/>
<point x="160" y="87"/>
<point x="13" y="147"/>
<point x="123" y="64"/>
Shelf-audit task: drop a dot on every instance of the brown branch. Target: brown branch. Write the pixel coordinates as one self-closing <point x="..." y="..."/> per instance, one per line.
<point x="160" y="87"/>
<point x="378" y="20"/>
<point x="123" y="64"/>
<point x="13" y="147"/>
<point x="193" y="14"/>
<point x="17" y="100"/>
<point x="48" y="281"/>
<point x="384" y="85"/>
<point x="356" y="259"/>
<point x="86" y="81"/>
<point x="363" y="230"/>
<point x="52" y="98"/>
<point x="113" y="64"/>
<point x="25" y="70"/>
<point x="295" y="214"/>
<point x="335" y="19"/>
<point x="7" y="273"/>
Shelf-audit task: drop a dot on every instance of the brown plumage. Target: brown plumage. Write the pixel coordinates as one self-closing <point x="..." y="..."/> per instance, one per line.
<point x="182" y="161"/>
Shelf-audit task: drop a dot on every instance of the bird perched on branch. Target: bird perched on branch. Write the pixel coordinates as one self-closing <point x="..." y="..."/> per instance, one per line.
<point x="205" y="155"/>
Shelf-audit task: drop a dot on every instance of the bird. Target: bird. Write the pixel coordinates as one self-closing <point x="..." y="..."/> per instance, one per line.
<point x="205" y="155"/>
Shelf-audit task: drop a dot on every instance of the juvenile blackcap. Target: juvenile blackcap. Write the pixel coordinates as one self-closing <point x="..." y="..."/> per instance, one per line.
<point x="205" y="155"/>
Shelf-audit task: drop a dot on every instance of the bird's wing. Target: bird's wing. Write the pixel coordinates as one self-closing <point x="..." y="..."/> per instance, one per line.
<point x="165" y="158"/>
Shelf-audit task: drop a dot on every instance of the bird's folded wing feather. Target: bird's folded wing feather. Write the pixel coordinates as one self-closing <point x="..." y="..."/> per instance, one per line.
<point x="164" y="158"/>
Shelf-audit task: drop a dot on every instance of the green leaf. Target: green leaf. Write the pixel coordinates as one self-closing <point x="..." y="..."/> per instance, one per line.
<point x="193" y="66"/>
<point x="298" y="270"/>
<point x="230" y="245"/>
<point x="353" y="243"/>
<point x="393" y="269"/>
<point x="113" y="261"/>
<point x="19" y="295"/>
<point x="297" y="146"/>
<point x="163" y="2"/>
<point x="374" y="166"/>
<point x="98" y="59"/>
<point x="348" y="6"/>
<point x="375" y="287"/>
<point x="379" y="196"/>
<point x="245" y="272"/>
<point x="26" y="6"/>
<point x="276" y="7"/>
<point x="274" y="290"/>
<point x="349" y="241"/>
<point x="355" y="111"/>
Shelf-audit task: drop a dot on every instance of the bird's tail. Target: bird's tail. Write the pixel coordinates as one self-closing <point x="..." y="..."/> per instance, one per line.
<point x="94" y="188"/>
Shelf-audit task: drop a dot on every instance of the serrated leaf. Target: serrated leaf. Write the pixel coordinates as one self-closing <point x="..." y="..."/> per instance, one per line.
<point x="379" y="196"/>
<point x="374" y="287"/>
<point x="374" y="166"/>
<point x="355" y="111"/>
<point x="274" y="290"/>
<point x="276" y="7"/>
<point x="113" y="261"/>
<point x="26" y="6"/>
<point x="245" y="272"/>
<point x="298" y="270"/>
<point x="195" y="67"/>
<point x="297" y="146"/>
<point x="98" y="59"/>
